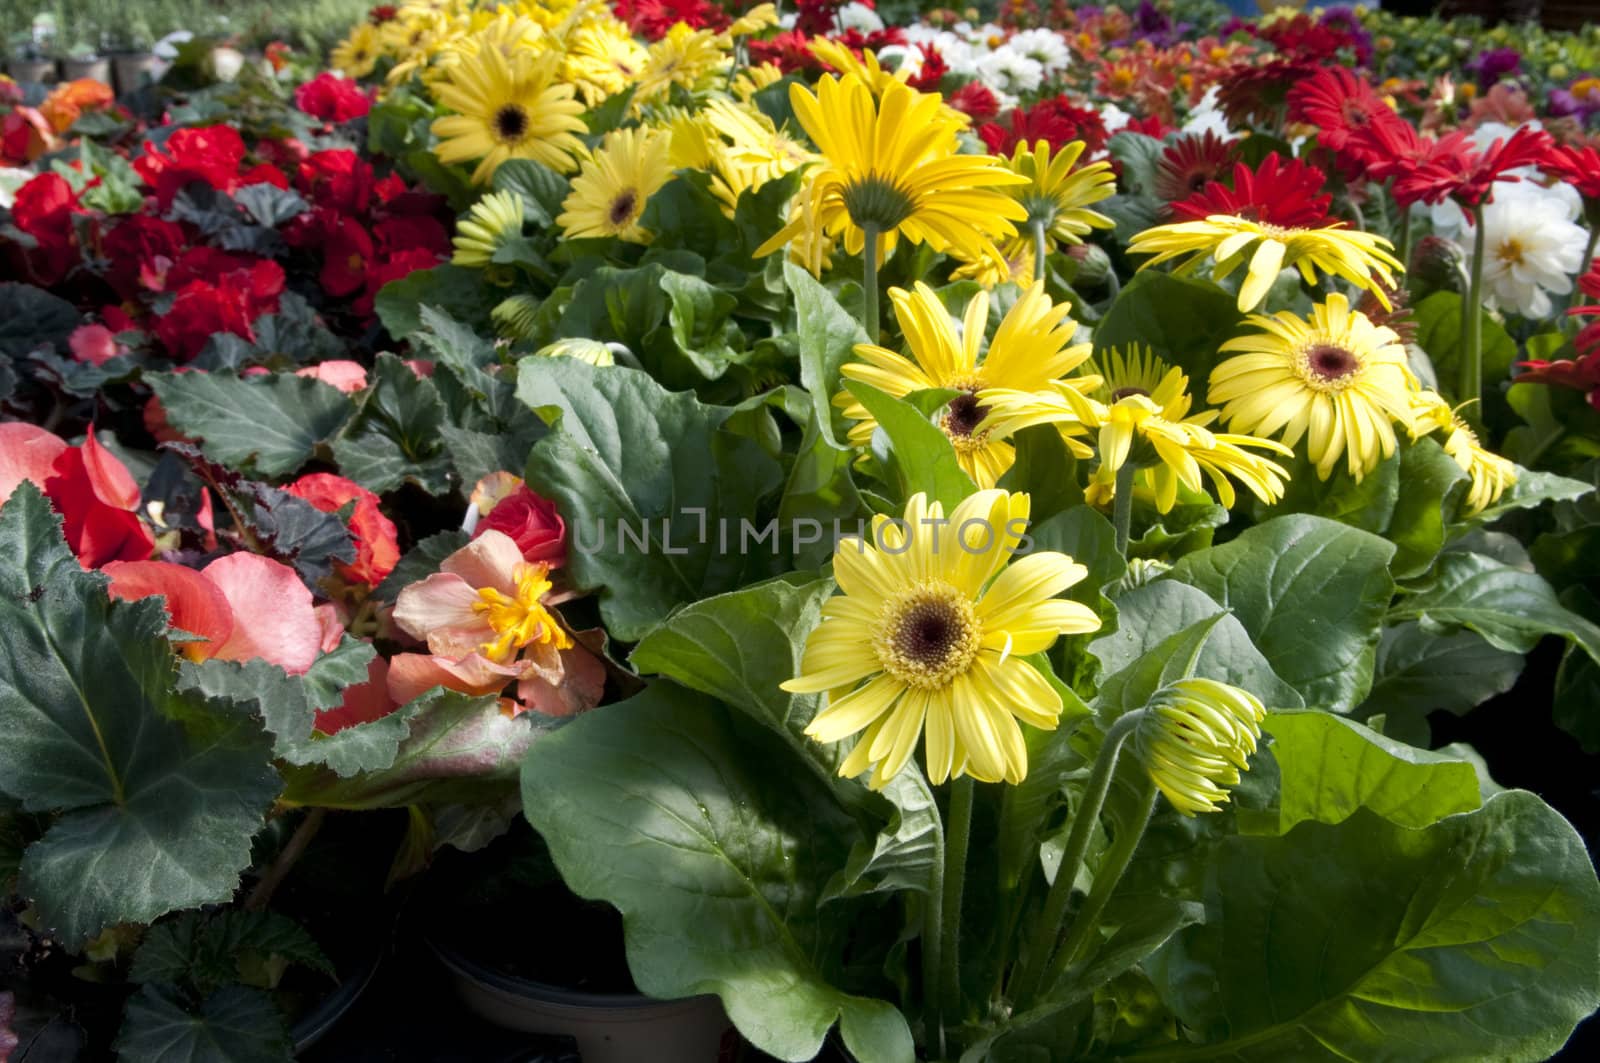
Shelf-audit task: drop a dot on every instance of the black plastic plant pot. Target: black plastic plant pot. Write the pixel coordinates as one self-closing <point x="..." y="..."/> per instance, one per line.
<point x="607" y="1027"/>
<point x="95" y="69"/>
<point x="314" y="1025"/>
<point x="135" y="70"/>
<point x="32" y="71"/>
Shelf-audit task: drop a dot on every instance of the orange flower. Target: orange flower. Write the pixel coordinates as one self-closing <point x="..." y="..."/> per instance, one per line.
<point x="67" y="103"/>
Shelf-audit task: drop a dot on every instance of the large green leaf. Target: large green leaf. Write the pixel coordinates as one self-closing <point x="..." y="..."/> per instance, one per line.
<point x="1311" y="593"/>
<point x="626" y="455"/>
<point x="1509" y="607"/>
<point x="233" y="1025"/>
<point x="918" y="454"/>
<point x="1476" y="938"/>
<point x="1181" y="319"/>
<point x="1328" y="767"/>
<point x="1438" y="321"/>
<point x="1419" y="671"/>
<point x="152" y="818"/>
<point x="699" y="827"/>
<point x="828" y="336"/>
<point x="1171" y="630"/>
<point x="394" y="436"/>
<point x="271" y="424"/>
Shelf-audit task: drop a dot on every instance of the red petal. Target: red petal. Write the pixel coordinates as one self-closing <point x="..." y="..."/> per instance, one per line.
<point x="112" y="482"/>
<point x="194" y="603"/>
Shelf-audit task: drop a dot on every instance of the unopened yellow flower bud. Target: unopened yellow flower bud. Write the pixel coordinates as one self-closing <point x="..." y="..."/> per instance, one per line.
<point x="1195" y="739"/>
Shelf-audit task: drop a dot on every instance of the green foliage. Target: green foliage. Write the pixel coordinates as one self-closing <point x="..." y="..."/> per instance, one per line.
<point x="157" y="795"/>
<point x="268" y="425"/>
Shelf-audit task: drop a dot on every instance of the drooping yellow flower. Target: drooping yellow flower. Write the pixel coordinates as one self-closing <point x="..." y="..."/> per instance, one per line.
<point x="839" y="57"/>
<point x="1197" y="735"/>
<point x="684" y="56"/>
<point x="892" y="165"/>
<point x="507" y="109"/>
<point x="931" y="635"/>
<point x="492" y="221"/>
<point x="1142" y="415"/>
<point x="1491" y="474"/>
<point x="758" y="18"/>
<point x="1058" y="196"/>
<point x="1360" y="258"/>
<point x="413" y="38"/>
<point x="1337" y="379"/>
<point x="752" y="79"/>
<point x="358" y="53"/>
<point x="1014" y="262"/>
<point x="1032" y="347"/>
<point x="609" y="194"/>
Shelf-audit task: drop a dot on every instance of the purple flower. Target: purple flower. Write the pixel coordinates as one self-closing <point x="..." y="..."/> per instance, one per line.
<point x="1493" y="64"/>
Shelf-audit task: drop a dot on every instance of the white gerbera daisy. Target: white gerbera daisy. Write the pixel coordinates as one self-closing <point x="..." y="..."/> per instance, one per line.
<point x="1532" y="249"/>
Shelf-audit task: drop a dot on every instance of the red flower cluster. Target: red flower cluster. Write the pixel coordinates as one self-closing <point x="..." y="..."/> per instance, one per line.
<point x="651" y="19"/>
<point x="217" y="292"/>
<point x="44" y="209"/>
<point x="332" y="98"/>
<point x="369" y="231"/>
<point x="1055" y="119"/>
<point x="213" y="155"/>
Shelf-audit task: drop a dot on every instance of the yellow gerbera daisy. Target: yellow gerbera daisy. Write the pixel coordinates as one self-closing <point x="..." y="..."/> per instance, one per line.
<point x="1031" y="347"/>
<point x="1491" y="474"/>
<point x="1360" y="258"/>
<point x="890" y="168"/>
<point x="507" y="109"/>
<point x="752" y="79"/>
<point x="1057" y="197"/>
<point x="492" y="221"/>
<point x="609" y="194"/>
<point x="684" y="56"/>
<point x="1338" y="379"/>
<point x="931" y="631"/>
<point x="1145" y="419"/>
<point x="358" y="53"/>
<point x="839" y="57"/>
<point x="1015" y="260"/>
<point x="1195" y="738"/>
<point x="603" y="59"/>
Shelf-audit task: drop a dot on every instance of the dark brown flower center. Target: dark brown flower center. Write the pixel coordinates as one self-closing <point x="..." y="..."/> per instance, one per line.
<point x="1123" y="393"/>
<point x="1331" y="363"/>
<point x="511" y="122"/>
<point x="928" y="632"/>
<point x="963" y="415"/>
<point x="622" y="207"/>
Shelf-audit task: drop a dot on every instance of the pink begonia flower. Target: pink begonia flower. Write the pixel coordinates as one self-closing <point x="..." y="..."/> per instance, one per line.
<point x="95" y="494"/>
<point x="242" y="605"/>
<point x="484" y="620"/>
<point x="94" y="344"/>
<point x="347" y="376"/>
<point x="331" y="623"/>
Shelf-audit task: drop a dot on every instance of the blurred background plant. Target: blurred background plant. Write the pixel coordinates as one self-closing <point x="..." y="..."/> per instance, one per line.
<point x="81" y="27"/>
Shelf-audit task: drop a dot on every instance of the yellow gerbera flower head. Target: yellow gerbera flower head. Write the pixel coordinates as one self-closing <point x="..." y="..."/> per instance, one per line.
<point x="507" y="109"/>
<point x="1337" y="379"/>
<point x="1358" y="257"/>
<point x="1057" y="196"/>
<point x="609" y="194"/>
<point x="758" y="18"/>
<point x="752" y="79"/>
<point x="1491" y="474"/>
<point x="413" y="37"/>
<point x="603" y="59"/>
<point x="1144" y="419"/>
<point x="1032" y="347"/>
<point x="931" y="633"/>
<point x="358" y="53"/>
<point x="839" y="57"/>
<point x="1195" y="738"/>
<point x="684" y="56"/>
<point x="489" y="225"/>
<point x="892" y="165"/>
<point x="1015" y="260"/>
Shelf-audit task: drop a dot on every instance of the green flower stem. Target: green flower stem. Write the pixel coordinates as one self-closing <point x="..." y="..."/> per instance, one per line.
<point x="1041" y="247"/>
<point x="958" y="832"/>
<point x="1106" y="878"/>
<point x="1470" y="389"/>
<point x="1405" y="236"/>
<point x="869" y="281"/>
<point x="1025" y="986"/>
<point x="1588" y="250"/>
<point x="932" y="961"/>
<point x="1122" y="506"/>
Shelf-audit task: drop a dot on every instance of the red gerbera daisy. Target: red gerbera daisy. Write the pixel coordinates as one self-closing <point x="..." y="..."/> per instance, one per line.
<point x="1579" y="167"/>
<point x="934" y="68"/>
<point x="1342" y="107"/>
<point x="1055" y="119"/>
<point x="1451" y="168"/>
<point x="976" y="100"/>
<point x="1192" y="162"/>
<point x="1252" y="95"/>
<point x="1274" y="193"/>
